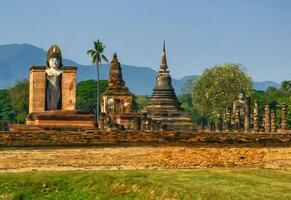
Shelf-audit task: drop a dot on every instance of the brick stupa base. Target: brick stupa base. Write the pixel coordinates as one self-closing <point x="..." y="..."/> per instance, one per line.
<point x="61" y="119"/>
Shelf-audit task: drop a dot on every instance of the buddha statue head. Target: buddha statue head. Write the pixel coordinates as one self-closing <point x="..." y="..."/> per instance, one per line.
<point x="241" y="95"/>
<point x="54" y="57"/>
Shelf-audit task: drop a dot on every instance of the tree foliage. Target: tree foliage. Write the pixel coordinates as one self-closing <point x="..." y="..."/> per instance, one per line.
<point x="139" y="102"/>
<point x="274" y="97"/>
<point x="18" y="96"/>
<point x="97" y="56"/>
<point x="87" y="94"/>
<point x="286" y="87"/>
<point x="6" y="111"/>
<point x="218" y="87"/>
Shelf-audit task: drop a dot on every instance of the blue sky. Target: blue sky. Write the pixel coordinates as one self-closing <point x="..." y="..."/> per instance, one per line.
<point x="199" y="34"/>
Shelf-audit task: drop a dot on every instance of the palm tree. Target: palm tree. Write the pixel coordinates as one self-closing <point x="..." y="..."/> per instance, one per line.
<point x="97" y="56"/>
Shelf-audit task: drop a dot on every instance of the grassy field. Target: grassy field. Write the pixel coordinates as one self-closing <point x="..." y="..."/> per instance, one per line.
<point x="152" y="184"/>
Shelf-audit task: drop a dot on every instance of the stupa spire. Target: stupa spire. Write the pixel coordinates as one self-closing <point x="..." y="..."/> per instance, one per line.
<point x="164" y="65"/>
<point x="115" y="74"/>
<point x="115" y="57"/>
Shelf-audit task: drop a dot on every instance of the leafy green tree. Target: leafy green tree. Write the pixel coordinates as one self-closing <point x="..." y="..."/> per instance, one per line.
<point x="18" y="95"/>
<point x="97" y="56"/>
<point x="274" y="97"/>
<point x="6" y="111"/>
<point x="186" y="103"/>
<point x="188" y="86"/>
<point x="139" y="102"/>
<point x="218" y="87"/>
<point x="87" y="94"/>
<point x="286" y="87"/>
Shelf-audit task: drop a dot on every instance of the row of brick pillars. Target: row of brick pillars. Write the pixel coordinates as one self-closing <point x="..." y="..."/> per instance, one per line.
<point x="269" y="122"/>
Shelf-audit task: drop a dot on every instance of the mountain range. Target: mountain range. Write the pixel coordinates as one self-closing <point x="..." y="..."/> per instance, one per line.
<point x="16" y="59"/>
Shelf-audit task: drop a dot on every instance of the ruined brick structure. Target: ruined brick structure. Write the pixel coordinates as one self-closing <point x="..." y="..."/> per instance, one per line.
<point x="163" y="107"/>
<point x="66" y="115"/>
<point x="116" y="101"/>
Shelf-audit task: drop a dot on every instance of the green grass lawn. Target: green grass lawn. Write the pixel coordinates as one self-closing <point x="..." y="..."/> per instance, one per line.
<point x="151" y="184"/>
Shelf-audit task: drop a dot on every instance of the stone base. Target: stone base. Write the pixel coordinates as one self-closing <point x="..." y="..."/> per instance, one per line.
<point x="61" y="119"/>
<point x="175" y="121"/>
<point x="128" y="120"/>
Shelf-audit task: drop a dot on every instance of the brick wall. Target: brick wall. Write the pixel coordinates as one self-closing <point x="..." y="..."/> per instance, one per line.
<point x="55" y="150"/>
<point x="147" y="157"/>
<point x="85" y="137"/>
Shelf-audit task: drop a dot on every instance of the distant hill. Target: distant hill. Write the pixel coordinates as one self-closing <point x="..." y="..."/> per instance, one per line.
<point x="16" y="59"/>
<point x="264" y="85"/>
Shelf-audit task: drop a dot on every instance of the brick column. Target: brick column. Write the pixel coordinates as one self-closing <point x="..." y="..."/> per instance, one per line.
<point x="143" y="121"/>
<point x="37" y="84"/>
<point x="237" y="119"/>
<point x="273" y="120"/>
<point x="284" y="117"/>
<point x="102" y="121"/>
<point x="69" y="88"/>
<point x="227" y="120"/>
<point x="267" y="121"/>
<point x="256" y="117"/>
<point x="247" y="117"/>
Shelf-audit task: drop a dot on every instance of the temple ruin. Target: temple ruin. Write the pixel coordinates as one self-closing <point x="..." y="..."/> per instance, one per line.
<point x="163" y="107"/>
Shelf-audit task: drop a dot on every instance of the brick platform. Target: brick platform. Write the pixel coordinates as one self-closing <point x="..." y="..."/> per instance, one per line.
<point x="147" y="157"/>
<point x="91" y="137"/>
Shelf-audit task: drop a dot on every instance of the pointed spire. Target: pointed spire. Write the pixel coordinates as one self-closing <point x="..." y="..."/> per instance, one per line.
<point x="164" y="64"/>
<point x="114" y="59"/>
<point x="115" y="74"/>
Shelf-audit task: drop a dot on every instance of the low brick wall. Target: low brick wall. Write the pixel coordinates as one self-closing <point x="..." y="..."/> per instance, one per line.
<point x="87" y="137"/>
<point x="55" y="150"/>
<point x="147" y="157"/>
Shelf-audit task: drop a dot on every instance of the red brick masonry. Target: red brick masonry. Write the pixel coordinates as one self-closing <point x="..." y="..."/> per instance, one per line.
<point x="91" y="137"/>
<point x="52" y="150"/>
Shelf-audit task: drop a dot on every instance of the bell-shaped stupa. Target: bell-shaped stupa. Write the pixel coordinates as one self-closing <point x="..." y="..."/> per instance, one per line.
<point x="163" y="106"/>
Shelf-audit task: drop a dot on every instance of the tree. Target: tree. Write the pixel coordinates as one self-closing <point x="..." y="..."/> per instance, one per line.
<point x="218" y="87"/>
<point x="286" y="87"/>
<point x="18" y="95"/>
<point x="139" y="102"/>
<point x="274" y="97"/>
<point x="188" y="86"/>
<point x="87" y="94"/>
<point x="6" y="111"/>
<point x="97" y="56"/>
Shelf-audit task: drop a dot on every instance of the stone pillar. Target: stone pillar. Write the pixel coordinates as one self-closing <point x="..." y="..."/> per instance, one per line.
<point x="102" y="121"/>
<point x="237" y="119"/>
<point x="69" y="88"/>
<point x="256" y="118"/>
<point x="284" y="117"/>
<point x="212" y="127"/>
<point x="108" y="122"/>
<point x="143" y="121"/>
<point x="267" y="121"/>
<point x="273" y="120"/>
<point x="227" y="120"/>
<point x="37" y="84"/>
<point x="247" y="117"/>
<point x="218" y="123"/>
<point x="136" y="124"/>
<point x="148" y="124"/>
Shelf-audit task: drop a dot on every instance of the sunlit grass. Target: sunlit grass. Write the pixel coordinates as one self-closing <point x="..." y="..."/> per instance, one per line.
<point x="148" y="184"/>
